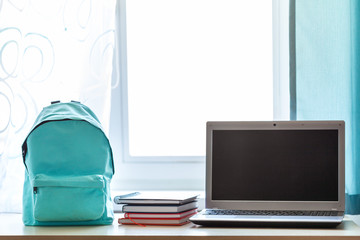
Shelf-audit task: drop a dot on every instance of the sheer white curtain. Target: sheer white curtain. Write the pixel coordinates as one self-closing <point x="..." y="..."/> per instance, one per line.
<point x="49" y="50"/>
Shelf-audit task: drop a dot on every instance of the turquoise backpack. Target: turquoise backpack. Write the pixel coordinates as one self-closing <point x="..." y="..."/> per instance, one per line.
<point x="68" y="168"/>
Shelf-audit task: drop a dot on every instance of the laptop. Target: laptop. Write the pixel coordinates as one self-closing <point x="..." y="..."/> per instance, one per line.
<point x="274" y="174"/>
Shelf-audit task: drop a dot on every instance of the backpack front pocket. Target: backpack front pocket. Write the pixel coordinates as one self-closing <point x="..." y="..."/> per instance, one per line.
<point x="79" y="198"/>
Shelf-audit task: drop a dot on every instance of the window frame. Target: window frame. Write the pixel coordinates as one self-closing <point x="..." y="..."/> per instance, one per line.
<point x="190" y="170"/>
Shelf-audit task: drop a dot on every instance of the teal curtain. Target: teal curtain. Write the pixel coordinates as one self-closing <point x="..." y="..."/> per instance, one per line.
<point x="324" y="74"/>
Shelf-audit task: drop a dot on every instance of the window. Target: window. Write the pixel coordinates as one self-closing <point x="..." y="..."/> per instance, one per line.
<point x="182" y="63"/>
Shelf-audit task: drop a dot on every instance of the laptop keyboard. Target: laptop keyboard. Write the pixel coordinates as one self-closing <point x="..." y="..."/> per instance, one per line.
<point x="272" y="213"/>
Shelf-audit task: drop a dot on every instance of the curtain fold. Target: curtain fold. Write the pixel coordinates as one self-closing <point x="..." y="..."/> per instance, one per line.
<point x="325" y="82"/>
<point x="49" y="50"/>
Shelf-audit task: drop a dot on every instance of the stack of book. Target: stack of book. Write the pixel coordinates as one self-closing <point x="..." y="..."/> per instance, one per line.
<point x="157" y="209"/>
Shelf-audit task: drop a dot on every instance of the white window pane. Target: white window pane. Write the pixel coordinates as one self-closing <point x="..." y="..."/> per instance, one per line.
<point x="192" y="61"/>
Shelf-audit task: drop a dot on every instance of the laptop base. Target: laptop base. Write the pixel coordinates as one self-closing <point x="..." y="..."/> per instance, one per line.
<point x="266" y="224"/>
<point x="207" y="218"/>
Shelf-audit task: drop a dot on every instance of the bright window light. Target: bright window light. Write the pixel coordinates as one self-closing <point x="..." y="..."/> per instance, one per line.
<point x="193" y="61"/>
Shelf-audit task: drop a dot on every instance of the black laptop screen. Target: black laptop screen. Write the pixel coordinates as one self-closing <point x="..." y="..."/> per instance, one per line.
<point x="275" y="165"/>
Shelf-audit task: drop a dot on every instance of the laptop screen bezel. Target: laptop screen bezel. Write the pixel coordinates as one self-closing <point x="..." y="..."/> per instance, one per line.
<point x="277" y="205"/>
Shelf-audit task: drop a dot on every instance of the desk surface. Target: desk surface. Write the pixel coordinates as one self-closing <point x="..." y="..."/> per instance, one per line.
<point x="11" y="227"/>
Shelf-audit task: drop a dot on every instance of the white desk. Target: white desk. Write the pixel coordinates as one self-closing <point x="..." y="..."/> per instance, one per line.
<point x="11" y="227"/>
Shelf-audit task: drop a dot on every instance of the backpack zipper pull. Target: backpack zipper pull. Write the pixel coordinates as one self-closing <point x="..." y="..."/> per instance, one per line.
<point x="35" y="190"/>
